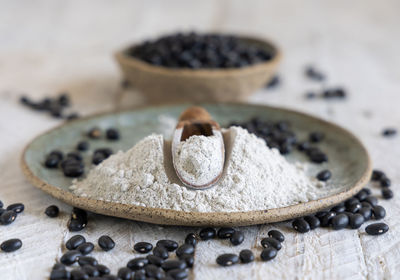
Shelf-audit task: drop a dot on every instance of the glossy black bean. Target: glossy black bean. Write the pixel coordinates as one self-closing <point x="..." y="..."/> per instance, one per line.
<point x="102" y="269"/>
<point x="154" y="271"/>
<point x="178" y="274"/>
<point x="227" y="259"/>
<point x="51" y="161"/>
<point x="161" y="252"/>
<point x="377" y="229"/>
<point x="60" y="274"/>
<point x="372" y="200"/>
<point x="366" y="212"/>
<point x="207" y="233"/>
<point x="361" y="195"/>
<point x="301" y="225"/>
<point x="314" y="74"/>
<point x="354" y="208"/>
<point x="377" y="175"/>
<point x="340" y="221"/>
<point x="351" y="201"/>
<point x="379" y="212"/>
<point x="75" y="225"/>
<point x="237" y="238"/>
<point x="74" y="155"/>
<point x="139" y="275"/>
<point x="124" y="273"/>
<point x="316" y="137"/>
<point x="271" y="242"/>
<point x="268" y="254"/>
<point x="320" y="214"/>
<point x="277" y="235"/>
<point x="225" y="232"/>
<point x="11" y="245"/>
<point x="155" y="260"/>
<point x="106" y="243"/>
<point x="387" y="193"/>
<point x="365" y="204"/>
<point x="246" y="256"/>
<point x="90" y="270"/>
<point x="7" y="217"/>
<point x="77" y="274"/>
<point x="326" y="220"/>
<point x="70" y="257"/>
<point x="185" y="249"/>
<point x="85" y="248"/>
<point x="83" y="260"/>
<point x="318" y="157"/>
<point x="191" y="239"/>
<point x="388" y="132"/>
<point x="173" y="264"/>
<point x="313" y="221"/>
<point x="188" y="258"/>
<point x="94" y="133"/>
<point x="112" y="134"/>
<point x="303" y="146"/>
<point x="52" y="211"/>
<point x="58" y="266"/>
<point x="143" y="247"/>
<point x="16" y="207"/>
<point x="105" y="151"/>
<point x="82" y="146"/>
<point x="367" y="191"/>
<point x="356" y="220"/>
<point x="73" y="169"/>
<point x="385" y="182"/>
<point x="137" y="263"/>
<point x="170" y="245"/>
<point x="339" y="208"/>
<point x="74" y="242"/>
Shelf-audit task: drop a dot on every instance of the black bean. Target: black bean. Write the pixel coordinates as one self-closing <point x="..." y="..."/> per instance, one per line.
<point x="58" y="266"/>
<point x="268" y="254"/>
<point x="326" y="220"/>
<point x="320" y="214"/>
<point x="143" y="247"/>
<point x="11" y="245"/>
<point x="367" y="191"/>
<point x="237" y="238"/>
<point x="2" y="210"/>
<point x="377" y="229"/>
<point x="98" y="158"/>
<point x="75" y="225"/>
<point x="207" y="233"/>
<point x="318" y="157"/>
<point x="277" y="235"/>
<point x="74" y="242"/>
<point x="153" y="271"/>
<point x="303" y="146"/>
<point x="70" y="257"/>
<point x="354" y="208"/>
<point x="51" y="161"/>
<point x="191" y="239"/>
<point x="313" y="221"/>
<point x="86" y="248"/>
<point x="246" y="256"/>
<point x="139" y="275"/>
<point x="112" y="134"/>
<point x="334" y="93"/>
<point x="379" y="212"/>
<point x="106" y="243"/>
<point x="356" y="220"/>
<point x="271" y="242"/>
<point x="102" y="269"/>
<point x="316" y="137"/>
<point x="83" y="260"/>
<point x="137" y="263"/>
<point x="64" y="100"/>
<point x="77" y="274"/>
<point x="314" y="74"/>
<point x="188" y="258"/>
<point x="387" y="132"/>
<point x="339" y="208"/>
<point x="372" y="200"/>
<point x="173" y="264"/>
<point x="16" y="207"/>
<point x="275" y="81"/>
<point x="73" y="169"/>
<point x="72" y="116"/>
<point x="385" y="182"/>
<point x="324" y="175"/>
<point x="110" y="277"/>
<point x="361" y="195"/>
<point x="365" y="204"/>
<point x="52" y="211"/>
<point x="377" y="175"/>
<point x="387" y="193"/>
<point x="170" y="245"/>
<point x="7" y="217"/>
<point x="227" y="259"/>
<point x="185" y="249"/>
<point x="124" y="273"/>
<point x="90" y="270"/>
<point x="340" y="221"/>
<point x="94" y="133"/>
<point x="225" y="232"/>
<point x="1" y="204"/>
<point x="301" y="225"/>
<point x="366" y="212"/>
<point x="60" y="274"/>
<point x="155" y="260"/>
<point x="178" y="274"/>
<point x="161" y="252"/>
<point x="82" y="146"/>
<point x="351" y="201"/>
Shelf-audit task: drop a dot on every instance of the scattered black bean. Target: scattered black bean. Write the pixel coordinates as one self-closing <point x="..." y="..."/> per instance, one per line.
<point x="7" y="217"/>
<point x="70" y="257"/>
<point x="301" y="225"/>
<point x="155" y="260"/>
<point x="173" y="264"/>
<point x="314" y="74"/>
<point x="77" y="274"/>
<point x="185" y="249"/>
<point x="340" y="221"/>
<point x="387" y="193"/>
<point x="143" y="247"/>
<point x="354" y="208"/>
<point x="78" y="220"/>
<point x="277" y="235"/>
<point x="339" y="208"/>
<point x="388" y="132"/>
<point x="318" y="157"/>
<point x="377" y="229"/>
<point x="313" y="221"/>
<point x="361" y="195"/>
<point x="246" y="256"/>
<point x="365" y="204"/>
<point x="16" y="207"/>
<point x="11" y="245"/>
<point x="191" y="239"/>
<point x="106" y="243"/>
<point x="94" y="133"/>
<point x="102" y="269"/>
<point x="271" y="242"/>
<point x="124" y="273"/>
<point x="334" y="93"/>
<point x="324" y="175"/>
<point x="379" y="212"/>
<point x="372" y="200"/>
<point x="73" y="168"/>
<point x="153" y="271"/>
<point x="227" y="259"/>
<point x="170" y="245"/>
<point x="385" y="182"/>
<point x="91" y="271"/>
<point x="83" y="260"/>
<point x="237" y="238"/>
<point x="188" y="258"/>
<point x="82" y="146"/>
<point x="112" y="134"/>
<point x="356" y="220"/>
<point x="366" y="212"/>
<point x="351" y="201"/>
<point x="52" y="211"/>
<point x="178" y="274"/>
<point x="85" y="248"/>
<point x="326" y="220"/>
<point x="274" y="82"/>
<point x="137" y="263"/>
<point x="268" y="254"/>
<point x="74" y="242"/>
<point x="139" y="275"/>
<point x="316" y="137"/>
<point x="225" y="232"/>
<point x="207" y="233"/>
<point x="60" y="274"/>
<point x="51" y="161"/>
<point x="377" y="175"/>
<point x="161" y="252"/>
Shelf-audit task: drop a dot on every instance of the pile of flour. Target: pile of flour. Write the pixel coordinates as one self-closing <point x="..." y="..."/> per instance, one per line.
<point x="199" y="159"/>
<point x="255" y="178"/>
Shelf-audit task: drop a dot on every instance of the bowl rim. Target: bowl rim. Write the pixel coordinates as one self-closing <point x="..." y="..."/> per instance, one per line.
<point x="127" y="60"/>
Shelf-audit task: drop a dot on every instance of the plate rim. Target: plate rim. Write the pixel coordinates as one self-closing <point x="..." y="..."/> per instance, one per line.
<point x="182" y="218"/>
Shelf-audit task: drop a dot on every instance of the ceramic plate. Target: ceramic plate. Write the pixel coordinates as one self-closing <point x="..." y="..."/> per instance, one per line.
<point x="348" y="161"/>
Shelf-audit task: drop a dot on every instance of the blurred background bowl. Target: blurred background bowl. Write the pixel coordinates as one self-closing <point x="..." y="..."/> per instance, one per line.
<point x="170" y="85"/>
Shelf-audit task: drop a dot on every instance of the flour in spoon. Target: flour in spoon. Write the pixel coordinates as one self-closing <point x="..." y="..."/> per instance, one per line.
<point x="255" y="178"/>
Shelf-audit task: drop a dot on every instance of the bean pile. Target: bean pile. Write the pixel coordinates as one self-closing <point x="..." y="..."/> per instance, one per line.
<point x="55" y="107"/>
<point x="72" y="163"/>
<point x="195" y="51"/>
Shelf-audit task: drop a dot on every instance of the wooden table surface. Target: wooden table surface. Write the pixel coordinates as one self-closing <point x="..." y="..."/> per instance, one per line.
<point x="51" y="46"/>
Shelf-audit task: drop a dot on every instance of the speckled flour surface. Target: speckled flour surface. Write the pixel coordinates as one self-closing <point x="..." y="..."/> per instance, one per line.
<point x="256" y="178"/>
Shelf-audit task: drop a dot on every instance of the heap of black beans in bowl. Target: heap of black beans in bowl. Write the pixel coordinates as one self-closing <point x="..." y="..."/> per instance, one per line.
<point x="193" y="50"/>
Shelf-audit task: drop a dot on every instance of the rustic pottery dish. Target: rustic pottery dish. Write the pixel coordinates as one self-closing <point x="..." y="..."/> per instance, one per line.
<point x="348" y="161"/>
<point x="200" y="85"/>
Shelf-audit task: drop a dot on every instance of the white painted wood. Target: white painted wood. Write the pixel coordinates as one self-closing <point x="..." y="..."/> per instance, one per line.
<point x="49" y="46"/>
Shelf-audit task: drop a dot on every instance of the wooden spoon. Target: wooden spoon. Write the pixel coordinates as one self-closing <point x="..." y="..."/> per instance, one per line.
<point x="197" y="121"/>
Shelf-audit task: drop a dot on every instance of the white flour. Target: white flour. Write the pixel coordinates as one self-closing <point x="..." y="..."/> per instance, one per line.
<point x="256" y="178"/>
<point x="199" y="159"/>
